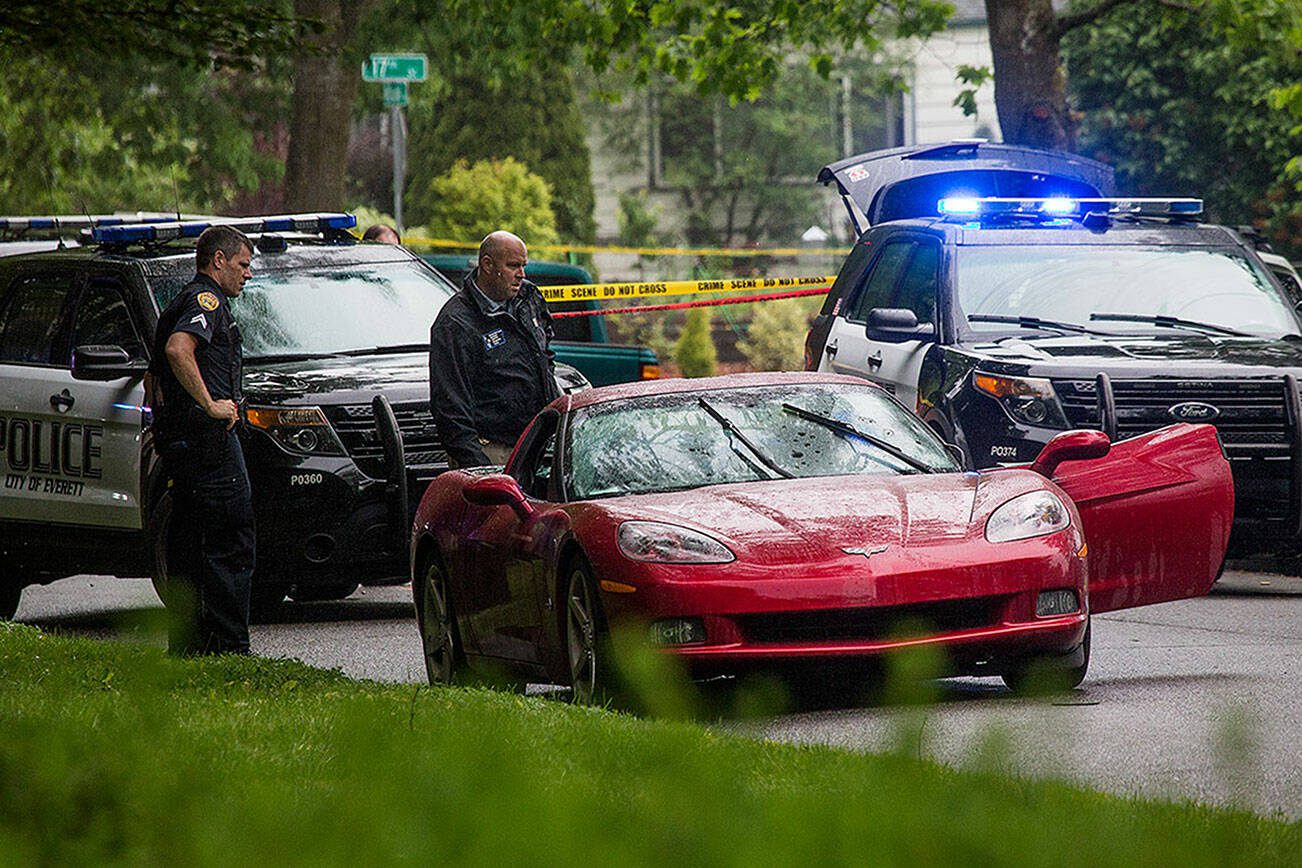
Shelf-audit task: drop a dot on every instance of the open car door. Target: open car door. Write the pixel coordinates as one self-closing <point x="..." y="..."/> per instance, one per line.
<point x="1156" y="511"/>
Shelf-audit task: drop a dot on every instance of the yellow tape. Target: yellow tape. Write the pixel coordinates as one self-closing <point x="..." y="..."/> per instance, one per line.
<point x="603" y="291"/>
<point x="416" y="241"/>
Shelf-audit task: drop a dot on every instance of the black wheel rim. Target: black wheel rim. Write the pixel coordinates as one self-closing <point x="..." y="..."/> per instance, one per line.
<point x="581" y="639"/>
<point x="436" y="629"/>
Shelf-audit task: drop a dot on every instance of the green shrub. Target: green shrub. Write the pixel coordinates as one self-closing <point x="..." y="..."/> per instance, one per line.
<point x="470" y="201"/>
<point x="775" y="340"/>
<point x="694" y="353"/>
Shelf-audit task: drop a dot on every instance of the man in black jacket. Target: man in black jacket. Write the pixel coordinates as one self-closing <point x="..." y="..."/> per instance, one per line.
<point x="490" y="364"/>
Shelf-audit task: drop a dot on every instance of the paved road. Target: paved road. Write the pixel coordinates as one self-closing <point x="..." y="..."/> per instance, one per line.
<point x="1200" y="699"/>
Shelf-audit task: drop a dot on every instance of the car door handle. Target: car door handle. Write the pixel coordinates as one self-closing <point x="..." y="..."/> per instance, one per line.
<point x="831" y="349"/>
<point x="875" y="360"/>
<point x="62" y="401"/>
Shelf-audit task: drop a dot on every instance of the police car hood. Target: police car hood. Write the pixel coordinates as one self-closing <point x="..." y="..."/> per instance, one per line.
<point x="1135" y="355"/>
<point x="338" y="379"/>
<point x="401" y="377"/>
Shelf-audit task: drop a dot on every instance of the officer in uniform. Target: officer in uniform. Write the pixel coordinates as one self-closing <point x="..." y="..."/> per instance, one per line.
<point x="490" y="364"/>
<point x="195" y="375"/>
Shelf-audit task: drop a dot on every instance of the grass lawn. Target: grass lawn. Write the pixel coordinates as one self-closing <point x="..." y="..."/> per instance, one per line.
<point x="115" y="753"/>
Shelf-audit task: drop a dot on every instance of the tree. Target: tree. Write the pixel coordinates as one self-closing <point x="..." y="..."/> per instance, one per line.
<point x="531" y="117"/>
<point x="470" y="201"/>
<point x="1182" y="103"/>
<point x="326" y="75"/>
<point x="694" y="353"/>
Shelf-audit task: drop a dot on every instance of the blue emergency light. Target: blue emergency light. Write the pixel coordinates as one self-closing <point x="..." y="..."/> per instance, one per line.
<point x="1061" y="206"/>
<point x="75" y="222"/>
<point x="315" y="224"/>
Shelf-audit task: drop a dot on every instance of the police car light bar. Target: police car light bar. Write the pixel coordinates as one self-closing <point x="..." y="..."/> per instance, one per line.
<point x="75" y="222"/>
<point x="310" y="223"/>
<point x="1059" y="206"/>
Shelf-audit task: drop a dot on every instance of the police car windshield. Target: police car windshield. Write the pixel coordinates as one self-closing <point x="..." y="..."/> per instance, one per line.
<point x="339" y="309"/>
<point x="1069" y="283"/>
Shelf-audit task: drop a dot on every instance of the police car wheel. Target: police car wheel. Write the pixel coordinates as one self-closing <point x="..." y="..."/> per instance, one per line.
<point x="168" y="560"/>
<point x="10" y="595"/>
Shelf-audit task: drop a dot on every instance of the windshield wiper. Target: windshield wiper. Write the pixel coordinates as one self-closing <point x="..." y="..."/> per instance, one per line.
<point x="1034" y="322"/>
<point x="733" y="431"/>
<point x="383" y="350"/>
<point x="291" y="357"/>
<point x="843" y="428"/>
<point x="1170" y="322"/>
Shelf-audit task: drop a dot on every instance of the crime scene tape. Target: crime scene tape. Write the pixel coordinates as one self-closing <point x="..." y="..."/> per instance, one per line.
<point x="683" y="305"/>
<point x="417" y="241"/>
<point x="604" y="291"/>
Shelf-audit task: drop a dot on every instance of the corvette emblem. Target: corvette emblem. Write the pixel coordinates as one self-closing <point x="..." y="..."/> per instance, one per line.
<point x="867" y="553"/>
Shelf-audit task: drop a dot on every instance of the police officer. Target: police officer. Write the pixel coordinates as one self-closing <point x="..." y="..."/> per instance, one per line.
<point x="196" y="371"/>
<point x="490" y="364"/>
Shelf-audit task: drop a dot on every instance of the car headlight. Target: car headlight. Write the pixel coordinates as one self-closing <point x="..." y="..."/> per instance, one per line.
<point x="1037" y="513"/>
<point x="670" y="544"/>
<point x="1026" y="399"/>
<point x="301" y="430"/>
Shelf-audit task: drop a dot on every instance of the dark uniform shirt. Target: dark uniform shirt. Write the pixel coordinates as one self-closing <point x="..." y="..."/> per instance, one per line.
<point x="201" y="309"/>
<point x="490" y="370"/>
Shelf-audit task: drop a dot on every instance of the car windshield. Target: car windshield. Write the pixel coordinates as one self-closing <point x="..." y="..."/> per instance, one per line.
<point x="338" y="308"/>
<point x="1072" y="283"/>
<point x="690" y="439"/>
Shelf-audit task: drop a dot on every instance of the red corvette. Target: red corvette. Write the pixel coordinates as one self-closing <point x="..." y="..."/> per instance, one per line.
<point x="789" y="520"/>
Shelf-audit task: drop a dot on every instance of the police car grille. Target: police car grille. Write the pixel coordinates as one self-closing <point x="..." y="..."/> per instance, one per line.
<point x="355" y="425"/>
<point x="1252" y="423"/>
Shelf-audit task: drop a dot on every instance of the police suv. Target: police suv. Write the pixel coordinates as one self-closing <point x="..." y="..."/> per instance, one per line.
<point x="337" y="435"/>
<point x="996" y="290"/>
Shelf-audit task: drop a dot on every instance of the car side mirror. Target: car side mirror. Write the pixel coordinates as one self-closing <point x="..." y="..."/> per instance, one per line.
<point x="105" y="362"/>
<point x="498" y="489"/>
<point x="1070" y="446"/>
<point x="896" y="324"/>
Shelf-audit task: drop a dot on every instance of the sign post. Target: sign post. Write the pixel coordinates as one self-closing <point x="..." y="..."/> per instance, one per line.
<point x="394" y="71"/>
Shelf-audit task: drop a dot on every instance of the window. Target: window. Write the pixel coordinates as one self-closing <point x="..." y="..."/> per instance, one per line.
<point x="917" y="290"/>
<point x="878" y="289"/>
<point x="33" y="319"/>
<point x="534" y="469"/>
<point x="102" y="318"/>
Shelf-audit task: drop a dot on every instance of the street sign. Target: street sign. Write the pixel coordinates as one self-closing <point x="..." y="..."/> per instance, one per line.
<point x="395" y="93"/>
<point x="396" y="67"/>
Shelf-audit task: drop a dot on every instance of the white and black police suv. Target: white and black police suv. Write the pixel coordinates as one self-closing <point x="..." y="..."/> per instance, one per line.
<point x="337" y="432"/>
<point x="996" y="290"/>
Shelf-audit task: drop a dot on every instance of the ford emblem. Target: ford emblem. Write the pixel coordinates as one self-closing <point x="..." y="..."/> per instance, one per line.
<point x="1193" y="411"/>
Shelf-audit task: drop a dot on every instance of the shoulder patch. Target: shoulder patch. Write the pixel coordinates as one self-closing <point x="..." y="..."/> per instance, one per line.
<point x="207" y="300"/>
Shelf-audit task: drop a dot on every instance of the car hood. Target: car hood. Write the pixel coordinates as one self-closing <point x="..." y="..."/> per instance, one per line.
<point x="345" y="379"/>
<point x="1135" y="354"/>
<point x="802" y="520"/>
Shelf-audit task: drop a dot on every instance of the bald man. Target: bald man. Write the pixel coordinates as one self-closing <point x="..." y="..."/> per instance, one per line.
<point x="490" y="361"/>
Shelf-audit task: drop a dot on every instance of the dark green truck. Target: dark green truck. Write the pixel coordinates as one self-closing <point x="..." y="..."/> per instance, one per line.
<point x="580" y="341"/>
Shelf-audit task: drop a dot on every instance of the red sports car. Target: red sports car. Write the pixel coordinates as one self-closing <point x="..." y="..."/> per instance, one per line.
<point x="788" y="520"/>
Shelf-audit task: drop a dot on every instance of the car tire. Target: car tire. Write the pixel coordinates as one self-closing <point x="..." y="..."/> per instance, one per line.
<point x="166" y="566"/>
<point x="436" y="620"/>
<point x="586" y="638"/>
<point x="1049" y="674"/>
<point x="319" y="592"/>
<point x="11" y="594"/>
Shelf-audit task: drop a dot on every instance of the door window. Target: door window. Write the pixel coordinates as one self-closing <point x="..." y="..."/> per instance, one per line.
<point x="917" y="289"/>
<point x="882" y="278"/>
<point x="102" y="318"/>
<point x="32" y="321"/>
<point x="534" y="470"/>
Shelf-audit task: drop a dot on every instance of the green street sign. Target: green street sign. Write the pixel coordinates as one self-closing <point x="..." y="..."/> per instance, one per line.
<point x="396" y="67"/>
<point x="395" y="93"/>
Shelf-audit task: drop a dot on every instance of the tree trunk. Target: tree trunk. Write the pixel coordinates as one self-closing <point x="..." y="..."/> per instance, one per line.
<point x="1030" y="88"/>
<point x="326" y="75"/>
